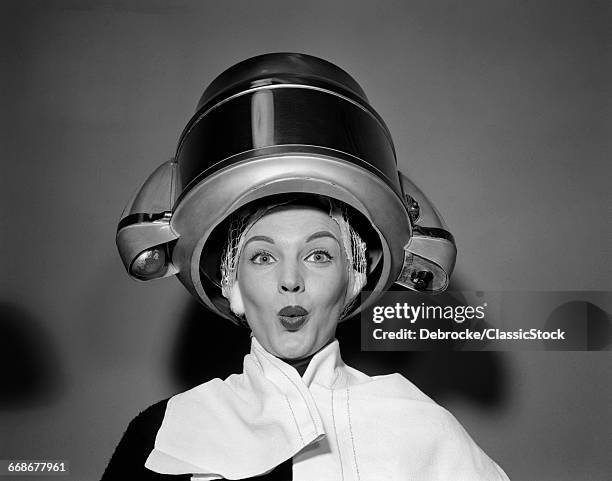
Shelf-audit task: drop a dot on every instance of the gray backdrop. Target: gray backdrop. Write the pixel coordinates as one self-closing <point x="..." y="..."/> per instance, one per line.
<point x="499" y="111"/>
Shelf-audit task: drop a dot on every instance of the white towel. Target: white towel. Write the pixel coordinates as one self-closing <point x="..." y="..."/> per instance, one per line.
<point x="336" y="422"/>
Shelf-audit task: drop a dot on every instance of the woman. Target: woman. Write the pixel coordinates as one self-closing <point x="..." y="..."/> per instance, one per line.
<point x="309" y="213"/>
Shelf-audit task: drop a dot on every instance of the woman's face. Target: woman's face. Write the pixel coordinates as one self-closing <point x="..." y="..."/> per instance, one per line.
<point x="292" y="278"/>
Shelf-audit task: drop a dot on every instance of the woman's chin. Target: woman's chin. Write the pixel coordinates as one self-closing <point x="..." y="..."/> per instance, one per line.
<point x="293" y="348"/>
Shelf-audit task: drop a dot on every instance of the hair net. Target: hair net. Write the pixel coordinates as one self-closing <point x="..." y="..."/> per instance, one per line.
<point x="242" y="221"/>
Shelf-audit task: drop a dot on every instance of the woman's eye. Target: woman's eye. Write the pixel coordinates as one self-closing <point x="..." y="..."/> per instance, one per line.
<point x="263" y="258"/>
<point x="319" y="257"/>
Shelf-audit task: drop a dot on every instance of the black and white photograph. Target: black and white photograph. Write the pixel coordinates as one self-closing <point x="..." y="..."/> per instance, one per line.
<point x="308" y="241"/>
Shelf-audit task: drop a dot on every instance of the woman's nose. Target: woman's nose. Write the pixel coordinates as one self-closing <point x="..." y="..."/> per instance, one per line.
<point x="290" y="280"/>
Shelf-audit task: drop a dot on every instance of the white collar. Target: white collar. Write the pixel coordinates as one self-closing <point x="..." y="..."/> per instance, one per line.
<point x="325" y="368"/>
<point x="248" y="423"/>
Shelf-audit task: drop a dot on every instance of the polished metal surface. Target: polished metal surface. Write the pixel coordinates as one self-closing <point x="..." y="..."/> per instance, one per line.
<point x="274" y="125"/>
<point x="150" y="264"/>
<point x="280" y="68"/>
<point x="225" y="191"/>
<point x="293" y="117"/>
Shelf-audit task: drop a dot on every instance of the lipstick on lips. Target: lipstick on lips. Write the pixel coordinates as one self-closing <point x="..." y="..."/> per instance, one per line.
<point x="293" y="318"/>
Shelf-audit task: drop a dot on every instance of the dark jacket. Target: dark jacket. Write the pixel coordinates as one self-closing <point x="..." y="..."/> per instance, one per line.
<point x="127" y="462"/>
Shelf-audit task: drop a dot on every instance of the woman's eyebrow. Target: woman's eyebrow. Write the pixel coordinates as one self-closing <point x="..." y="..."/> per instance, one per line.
<point x="260" y="238"/>
<point x="321" y="233"/>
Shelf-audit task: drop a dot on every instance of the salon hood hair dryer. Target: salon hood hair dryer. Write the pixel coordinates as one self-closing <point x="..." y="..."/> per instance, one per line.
<point x="278" y="124"/>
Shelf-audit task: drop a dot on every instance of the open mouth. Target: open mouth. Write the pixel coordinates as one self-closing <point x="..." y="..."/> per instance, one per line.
<point x="293" y="318"/>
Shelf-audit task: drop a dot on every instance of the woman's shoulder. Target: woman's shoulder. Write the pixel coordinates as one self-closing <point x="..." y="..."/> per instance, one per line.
<point x="135" y="445"/>
<point x="386" y="386"/>
<point x="150" y="419"/>
<point x="142" y="429"/>
<point x="427" y="430"/>
<point x="399" y="398"/>
<point x="395" y="393"/>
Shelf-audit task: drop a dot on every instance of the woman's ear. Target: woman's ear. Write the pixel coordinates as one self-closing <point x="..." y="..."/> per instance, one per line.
<point x="235" y="300"/>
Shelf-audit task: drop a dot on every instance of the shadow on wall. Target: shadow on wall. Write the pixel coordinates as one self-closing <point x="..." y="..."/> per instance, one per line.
<point x="588" y="327"/>
<point x="439" y="368"/>
<point x="209" y="346"/>
<point x="30" y="371"/>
